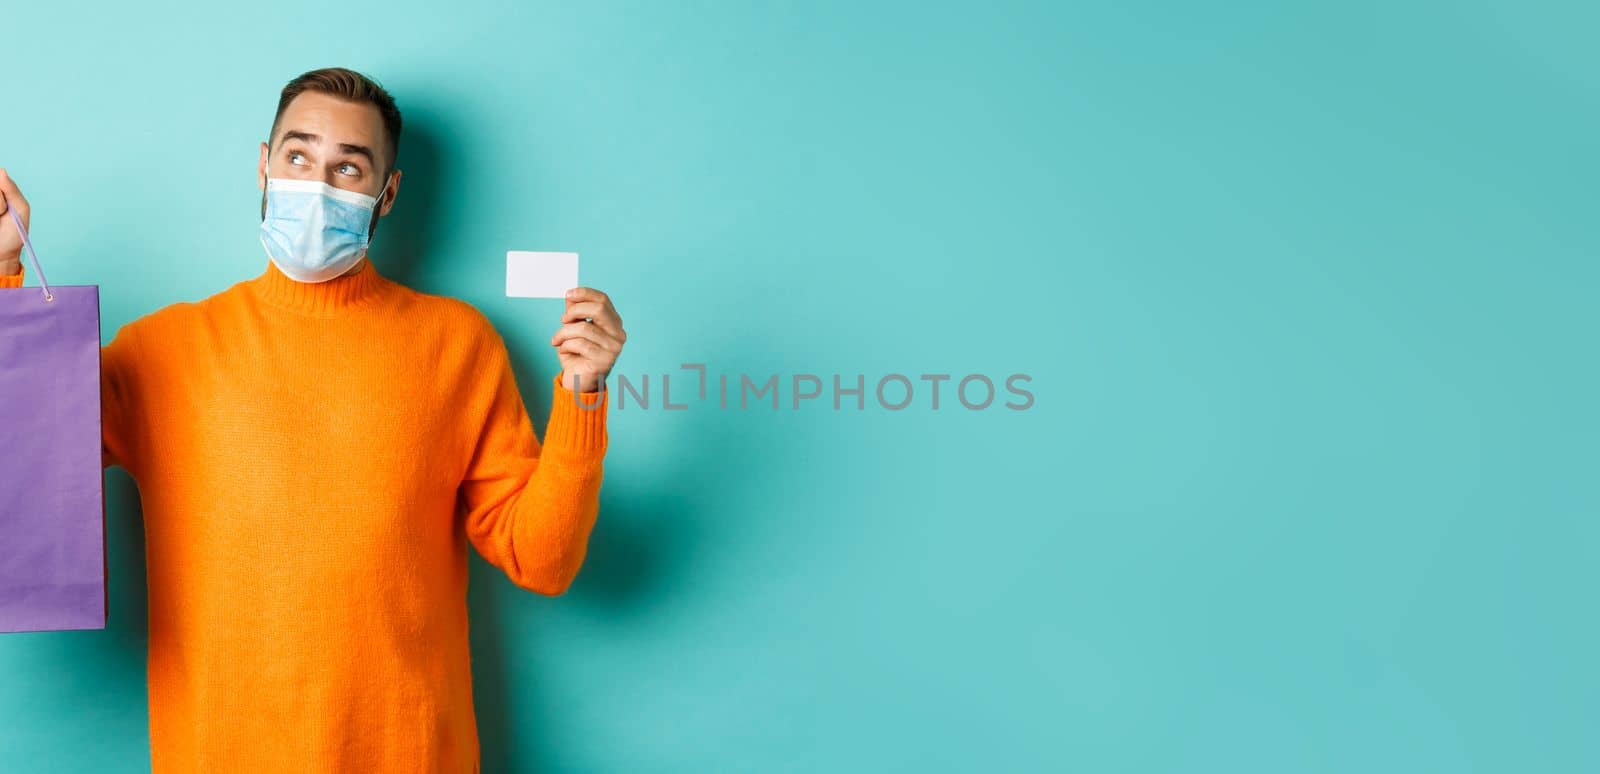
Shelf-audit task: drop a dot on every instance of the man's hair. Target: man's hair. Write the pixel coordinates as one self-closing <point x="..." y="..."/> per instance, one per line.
<point x="348" y="85"/>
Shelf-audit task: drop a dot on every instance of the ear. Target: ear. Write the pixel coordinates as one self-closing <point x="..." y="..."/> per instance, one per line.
<point x="386" y="204"/>
<point x="261" y="169"/>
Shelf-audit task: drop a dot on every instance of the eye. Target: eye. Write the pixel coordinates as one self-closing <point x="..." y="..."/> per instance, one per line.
<point x="353" y="169"/>
<point x="295" y="157"/>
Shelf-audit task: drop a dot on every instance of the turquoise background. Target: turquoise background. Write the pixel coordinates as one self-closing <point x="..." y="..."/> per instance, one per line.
<point x="1306" y="291"/>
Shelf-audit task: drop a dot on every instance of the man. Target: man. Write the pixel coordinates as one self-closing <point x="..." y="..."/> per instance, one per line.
<point x="314" y="449"/>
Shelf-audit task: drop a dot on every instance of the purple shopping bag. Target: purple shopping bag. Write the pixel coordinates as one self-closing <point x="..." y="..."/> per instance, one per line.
<point x="52" y="505"/>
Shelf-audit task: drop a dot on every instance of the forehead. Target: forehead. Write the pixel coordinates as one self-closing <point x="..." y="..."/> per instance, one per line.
<point x="333" y="119"/>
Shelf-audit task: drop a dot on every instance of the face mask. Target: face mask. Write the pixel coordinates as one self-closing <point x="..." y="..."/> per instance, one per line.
<point x="313" y="231"/>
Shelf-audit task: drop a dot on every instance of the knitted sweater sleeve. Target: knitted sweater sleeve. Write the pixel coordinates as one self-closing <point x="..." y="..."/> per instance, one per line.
<point x="529" y="507"/>
<point x="119" y="393"/>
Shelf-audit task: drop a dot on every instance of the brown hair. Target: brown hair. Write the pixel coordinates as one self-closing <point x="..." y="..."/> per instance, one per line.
<point x="349" y="85"/>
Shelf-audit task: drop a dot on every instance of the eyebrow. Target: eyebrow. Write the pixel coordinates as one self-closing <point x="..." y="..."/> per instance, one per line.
<point x="361" y="150"/>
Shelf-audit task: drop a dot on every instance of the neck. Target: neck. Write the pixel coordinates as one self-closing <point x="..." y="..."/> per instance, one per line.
<point x="356" y="288"/>
<point x="361" y="264"/>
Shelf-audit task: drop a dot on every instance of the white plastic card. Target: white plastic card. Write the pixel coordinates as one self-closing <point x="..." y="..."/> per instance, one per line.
<point x="540" y="275"/>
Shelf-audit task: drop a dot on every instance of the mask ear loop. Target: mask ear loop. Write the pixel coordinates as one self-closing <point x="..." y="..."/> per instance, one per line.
<point x="377" y="209"/>
<point x="33" y="256"/>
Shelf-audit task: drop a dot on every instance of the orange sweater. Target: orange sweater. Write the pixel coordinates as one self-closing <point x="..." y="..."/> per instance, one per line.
<point x="313" y="460"/>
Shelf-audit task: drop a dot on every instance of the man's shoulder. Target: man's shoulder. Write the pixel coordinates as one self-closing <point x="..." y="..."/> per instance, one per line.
<point x="457" y="331"/>
<point x="172" y="317"/>
<point x="186" y="309"/>
<point x="455" y="316"/>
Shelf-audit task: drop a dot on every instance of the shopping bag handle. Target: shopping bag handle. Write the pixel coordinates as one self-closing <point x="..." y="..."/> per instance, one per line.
<point x="33" y="256"/>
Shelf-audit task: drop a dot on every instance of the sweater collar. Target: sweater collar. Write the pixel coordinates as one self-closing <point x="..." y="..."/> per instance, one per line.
<point x="321" y="299"/>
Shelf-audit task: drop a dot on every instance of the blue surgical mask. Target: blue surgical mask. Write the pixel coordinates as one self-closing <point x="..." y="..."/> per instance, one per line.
<point x="314" y="231"/>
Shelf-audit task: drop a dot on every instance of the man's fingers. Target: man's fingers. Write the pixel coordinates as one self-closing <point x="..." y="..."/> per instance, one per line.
<point x="601" y="337"/>
<point x="604" y="318"/>
<point x="587" y="294"/>
<point x="578" y="345"/>
<point x="582" y="309"/>
<point x="11" y="196"/>
<point x="583" y="330"/>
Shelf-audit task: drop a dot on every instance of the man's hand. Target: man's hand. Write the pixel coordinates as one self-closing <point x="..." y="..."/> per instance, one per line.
<point x="587" y="350"/>
<point x="10" y="240"/>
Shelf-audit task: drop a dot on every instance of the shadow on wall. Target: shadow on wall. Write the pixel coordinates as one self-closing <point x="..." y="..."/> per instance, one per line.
<point x="650" y="523"/>
<point x="624" y="562"/>
<point x="405" y="235"/>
